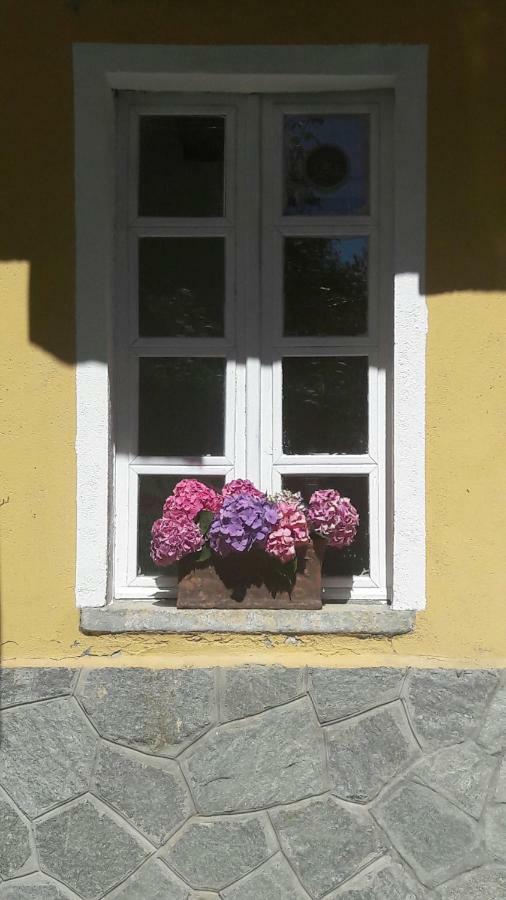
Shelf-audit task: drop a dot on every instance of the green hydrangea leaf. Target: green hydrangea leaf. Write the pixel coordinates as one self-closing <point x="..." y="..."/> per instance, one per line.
<point x="202" y="555"/>
<point x="204" y="520"/>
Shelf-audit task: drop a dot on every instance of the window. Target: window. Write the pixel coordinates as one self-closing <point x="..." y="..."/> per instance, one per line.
<point x="261" y="314"/>
<point x="253" y="313"/>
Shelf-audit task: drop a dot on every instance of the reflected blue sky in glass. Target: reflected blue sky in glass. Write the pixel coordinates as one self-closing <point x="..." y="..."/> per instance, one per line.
<point x="345" y="249"/>
<point x="302" y="136"/>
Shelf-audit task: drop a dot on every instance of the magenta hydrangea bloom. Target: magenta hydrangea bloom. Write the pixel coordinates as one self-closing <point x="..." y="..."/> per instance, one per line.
<point x="244" y="522"/>
<point x="290" y="532"/>
<point x="189" y="498"/>
<point x="333" y="517"/>
<point x="241" y="486"/>
<point x="346" y="529"/>
<point x="174" y="538"/>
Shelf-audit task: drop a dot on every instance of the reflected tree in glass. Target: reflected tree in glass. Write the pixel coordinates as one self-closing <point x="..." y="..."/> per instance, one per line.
<point x="325" y="286"/>
<point x="181" y="406"/>
<point x="181" y="286"/>
<point x="325" y="407"/>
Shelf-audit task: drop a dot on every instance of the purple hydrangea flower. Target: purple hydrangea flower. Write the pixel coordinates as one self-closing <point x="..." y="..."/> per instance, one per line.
<point x="243" y="522"/>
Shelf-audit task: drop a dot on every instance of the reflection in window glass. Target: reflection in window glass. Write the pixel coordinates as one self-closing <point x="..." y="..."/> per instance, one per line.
<point x="325" y="286"/>
<point x="352" y="560"/>
<point x="181" y="286"/>
<point x="181" y="165"/>
<point x="326" y="165"/>
<point x="325" y="404"/>
<point x="153" y="491"/>
<point x="181" y="406"/>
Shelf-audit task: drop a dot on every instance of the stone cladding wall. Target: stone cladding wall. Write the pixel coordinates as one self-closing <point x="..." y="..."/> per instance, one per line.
<point x="252" y="783"/>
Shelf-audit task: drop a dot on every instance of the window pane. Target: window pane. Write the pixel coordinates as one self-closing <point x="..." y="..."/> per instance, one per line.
<point x="181" y="286"/>
<point x="153" y="491"/>
<point x="353" y="560"/>
<point x="325" y="404"/>
<point x="325" y="286"/>
<point x="181" y="165"/>
<point x="326" y="165"/>
<point x="181" y="407"/>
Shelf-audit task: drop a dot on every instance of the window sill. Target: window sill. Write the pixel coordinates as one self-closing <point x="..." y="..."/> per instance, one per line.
<point x="124" y="616"/>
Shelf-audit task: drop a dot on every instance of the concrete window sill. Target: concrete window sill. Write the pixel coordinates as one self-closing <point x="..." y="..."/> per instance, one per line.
<point x="140" y="617"/>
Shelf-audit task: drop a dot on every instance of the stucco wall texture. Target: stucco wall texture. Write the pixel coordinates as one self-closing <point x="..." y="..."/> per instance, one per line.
<point x="466" y="282"/>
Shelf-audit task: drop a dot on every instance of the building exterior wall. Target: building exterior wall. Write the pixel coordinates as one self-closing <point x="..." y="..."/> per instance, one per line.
<point x="135" y="766"/>
<point x="466" y="389"/>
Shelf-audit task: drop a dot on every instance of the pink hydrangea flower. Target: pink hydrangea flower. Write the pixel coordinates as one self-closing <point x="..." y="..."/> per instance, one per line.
<point x="174" y="538"/>
<point x="189" y="498"/>
<point x="346" y="529"/>
<point x="290" y="532"/>
<point x="241" y="486"/>
<point x="333" y="517"/>
<point x="280" y="544"/>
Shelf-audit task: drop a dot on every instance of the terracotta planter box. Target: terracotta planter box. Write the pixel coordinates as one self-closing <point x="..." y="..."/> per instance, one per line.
<point x="247" y="581"/>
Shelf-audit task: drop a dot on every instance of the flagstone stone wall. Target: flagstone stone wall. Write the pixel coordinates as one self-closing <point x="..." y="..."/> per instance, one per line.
<point x="252" y="783"/>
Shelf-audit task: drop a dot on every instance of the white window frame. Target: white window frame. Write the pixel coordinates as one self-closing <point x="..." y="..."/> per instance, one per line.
<point x="261" y="459"/>
<point x="99" y="71"/>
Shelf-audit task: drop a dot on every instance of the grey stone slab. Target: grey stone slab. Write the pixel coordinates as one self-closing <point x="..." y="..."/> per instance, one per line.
<point x="46" y="754"/>
<point x="214" y="852"/>
<point x="495" y="831"/>
<point x="156" y="711"/>
<point x="248" y="690"/>
<point x="435" y="838"/>
<point x="500" y="791"/>
<point x="204" y="895"/>
<point x="28" y="685"/>
<point x="35" y="887"/>
<point x="88" y="848"/>
<point x="272" y="881"/>
<point x="365" y="753"/>
<point x="325" y="842"/>
<point x="462" y="773"/>
<point x="275" y="757"/>
<point x="15" y="846"/>
<point x="152" y="881"/>
<point x="493" y="732"/>
<point x="125" y="616"/>
<point x="486" y="883"/>
<point x="384" y="880"/>
<point x="447" y="705"/>
<point x="149" y="791"/>
<point x="338" y="693"/>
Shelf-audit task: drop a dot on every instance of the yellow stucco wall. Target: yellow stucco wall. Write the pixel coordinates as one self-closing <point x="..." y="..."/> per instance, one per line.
<point x="465" y="620"/>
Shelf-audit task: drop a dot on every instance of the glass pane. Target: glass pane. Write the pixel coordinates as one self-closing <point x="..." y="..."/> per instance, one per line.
<point x="325" y="286"/>
<point x="181" y="286"/>
<point x="181" y="407"/>
<point x="181" y="165"/>
<point x="326" y="165"/>
<point x="325" y="404"/>
<point x="353" y="560"/>
<point x="153" y="491"/>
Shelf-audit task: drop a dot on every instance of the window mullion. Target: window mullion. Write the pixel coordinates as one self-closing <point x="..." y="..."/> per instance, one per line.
<point x="248" y="265"/>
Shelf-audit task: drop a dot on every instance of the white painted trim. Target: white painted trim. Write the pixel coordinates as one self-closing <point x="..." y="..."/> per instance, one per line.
<point x="101" y="68"/>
